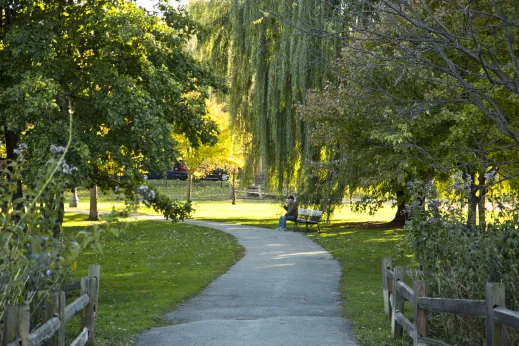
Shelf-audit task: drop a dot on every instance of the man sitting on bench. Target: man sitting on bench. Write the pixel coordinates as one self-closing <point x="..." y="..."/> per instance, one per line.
<point x="291" y="214"/>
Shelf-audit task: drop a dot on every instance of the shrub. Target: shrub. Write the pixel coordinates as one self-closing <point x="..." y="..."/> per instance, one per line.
<point x="459" y="260"/>
<point x="33" y="258"/>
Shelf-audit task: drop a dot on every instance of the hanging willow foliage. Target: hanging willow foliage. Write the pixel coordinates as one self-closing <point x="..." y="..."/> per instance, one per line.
<point x="277" y="50"/>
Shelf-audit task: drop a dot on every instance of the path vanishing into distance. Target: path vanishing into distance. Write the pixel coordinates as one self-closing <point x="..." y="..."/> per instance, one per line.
<point x="284" y="291"/>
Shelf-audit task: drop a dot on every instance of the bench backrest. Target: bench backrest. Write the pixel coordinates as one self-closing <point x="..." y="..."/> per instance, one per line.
<point x="303" y="212"/>
<point x="316" y="215"/>
<point x="308" y="214"/>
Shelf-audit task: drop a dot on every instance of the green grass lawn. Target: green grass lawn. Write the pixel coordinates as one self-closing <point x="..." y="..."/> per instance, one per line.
<point x="360" y="249"/>
<point x="357" y="241"/>
<point x="147" y="271"/>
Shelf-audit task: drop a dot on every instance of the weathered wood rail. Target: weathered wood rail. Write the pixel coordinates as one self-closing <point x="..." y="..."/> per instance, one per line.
<point x="396" y="293"/>
<point x="17" y="330"/>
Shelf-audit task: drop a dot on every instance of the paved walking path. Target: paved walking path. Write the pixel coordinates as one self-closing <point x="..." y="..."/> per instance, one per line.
<point x="283" y="292"/>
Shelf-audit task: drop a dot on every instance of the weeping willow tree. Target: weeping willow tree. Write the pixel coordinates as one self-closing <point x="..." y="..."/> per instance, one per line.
<point x="272" y="52"/>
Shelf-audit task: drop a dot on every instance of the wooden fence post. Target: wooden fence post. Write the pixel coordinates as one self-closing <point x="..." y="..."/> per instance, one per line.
<point x="88" y="315"/>
<point x="17" y="324"/>
<point x="421" y="316"/>
<point x="387" y="262"/>
<point x="55" y="307"/>
<point x="94" y="271"/>
<point x="495" y="297"/>
<point x="398" y="303"/>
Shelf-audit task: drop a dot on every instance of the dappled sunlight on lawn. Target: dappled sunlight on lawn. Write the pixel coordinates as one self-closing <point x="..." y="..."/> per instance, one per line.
<point x="387" y="239"/>
<point x="385" y="214"/>
<point x="242" y="210"/>
<point x="328" y="234"/>
<point x="263" y="213"/>
<point x="345" y="233"/>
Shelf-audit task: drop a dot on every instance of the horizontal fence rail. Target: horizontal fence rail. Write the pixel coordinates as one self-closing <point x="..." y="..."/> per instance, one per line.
<point x="454" y="306"/>
<point x="396" y="292"/>
<point x="78" y="305"/>
<point x="507" y="317"/>
<point x="45" y="332"/>
<point x="82" y="339"/>
<point x="52" y="331"/>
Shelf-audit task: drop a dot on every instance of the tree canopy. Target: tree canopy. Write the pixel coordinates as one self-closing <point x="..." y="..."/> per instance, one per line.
<point x="123" y="72"/>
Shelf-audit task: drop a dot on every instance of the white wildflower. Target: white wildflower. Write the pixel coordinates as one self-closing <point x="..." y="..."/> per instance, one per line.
<point x="57" y="149"/>
<point x="68" y="169"/>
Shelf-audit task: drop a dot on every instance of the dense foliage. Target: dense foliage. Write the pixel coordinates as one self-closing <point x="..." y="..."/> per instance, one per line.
<point x="459" y="260"/>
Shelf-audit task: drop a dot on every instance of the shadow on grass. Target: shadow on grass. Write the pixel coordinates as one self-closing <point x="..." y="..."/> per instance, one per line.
<point x="384" y="226"/>
<point x="76" y="217"/>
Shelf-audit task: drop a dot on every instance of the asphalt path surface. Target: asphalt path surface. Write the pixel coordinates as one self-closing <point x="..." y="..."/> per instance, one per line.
<point x="284" y="291"/>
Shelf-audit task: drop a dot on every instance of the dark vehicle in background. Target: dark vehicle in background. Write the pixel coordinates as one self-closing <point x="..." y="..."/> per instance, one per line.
<point x="218" y="174"/>
<point x="153" y="176"/>
<point x="179" y="171"/>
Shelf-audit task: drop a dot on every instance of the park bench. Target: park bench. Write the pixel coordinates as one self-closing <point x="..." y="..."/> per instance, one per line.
<point x="308" y="217"/>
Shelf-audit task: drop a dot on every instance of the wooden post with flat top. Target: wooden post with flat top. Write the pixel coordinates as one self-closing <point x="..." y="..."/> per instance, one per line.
<point x="421" y="316"/>
<point x="55" y="307"/>
<point x="495" y="298"/>
<point x="398" y="303"/>
<point x="387" y="263"/>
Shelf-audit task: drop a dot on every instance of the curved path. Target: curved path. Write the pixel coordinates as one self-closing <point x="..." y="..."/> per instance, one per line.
<point x="284" y="291"/>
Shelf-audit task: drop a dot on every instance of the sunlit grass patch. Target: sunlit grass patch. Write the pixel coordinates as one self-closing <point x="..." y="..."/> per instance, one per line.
<point x="147" y="270"/>
<point x="360" y="253"/>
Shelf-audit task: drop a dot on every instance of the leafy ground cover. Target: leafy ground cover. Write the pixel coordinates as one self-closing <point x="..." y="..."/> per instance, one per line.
<point x="149" y="269"/>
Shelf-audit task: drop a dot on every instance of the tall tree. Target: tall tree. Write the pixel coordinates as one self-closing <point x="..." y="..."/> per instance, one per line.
<point x="278" y="50"/>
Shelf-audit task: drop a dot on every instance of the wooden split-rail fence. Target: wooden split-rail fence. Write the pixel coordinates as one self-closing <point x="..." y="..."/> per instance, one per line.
<point x="396" y="293"/>
<point x="17" y="329"/>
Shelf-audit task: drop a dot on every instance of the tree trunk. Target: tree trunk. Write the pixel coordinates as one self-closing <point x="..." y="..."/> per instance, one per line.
<point x="189" y="184"/>
<point x="73" y="199"/>
<point x="56" y="231"/>
<point x="233" y="189"/>
<point x="400" y="216"/>
<point x="482" y="201"/>
<point x="94" y="215"/>
<point x="472" y="200"/>
<point x="11" y="143"/>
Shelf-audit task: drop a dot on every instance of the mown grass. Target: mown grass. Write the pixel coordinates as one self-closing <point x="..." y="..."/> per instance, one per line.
<point x="359" y="249"/>
<point x="357" y="241"/>
<point x="146" y="271"/>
